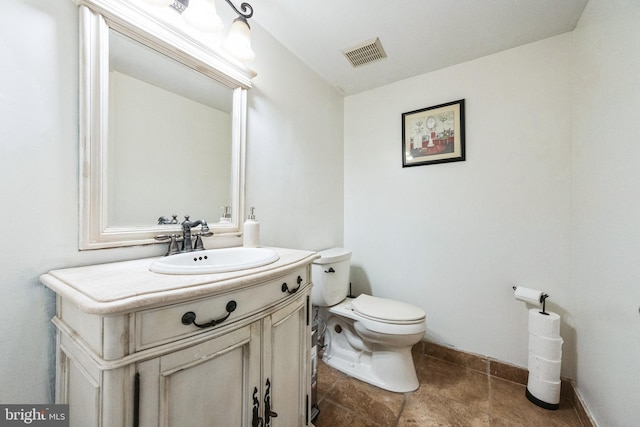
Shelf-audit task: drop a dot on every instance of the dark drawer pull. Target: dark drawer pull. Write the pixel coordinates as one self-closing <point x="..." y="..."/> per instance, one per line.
<point x="256" y="421"/>
<point x="190" y="317"/>
<point x="268" y="413"/>
<point x="285" y="287"/>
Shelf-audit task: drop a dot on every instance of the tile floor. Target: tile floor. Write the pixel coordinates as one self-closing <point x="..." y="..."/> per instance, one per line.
<point x="449" y="395"/>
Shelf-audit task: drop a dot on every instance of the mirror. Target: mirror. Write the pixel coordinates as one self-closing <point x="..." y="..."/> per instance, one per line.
<point x="169" y="138"/>
<point x="162" y="129"/>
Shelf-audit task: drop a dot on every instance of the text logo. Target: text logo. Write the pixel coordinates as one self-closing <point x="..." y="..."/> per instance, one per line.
<point x="34" y="415"/>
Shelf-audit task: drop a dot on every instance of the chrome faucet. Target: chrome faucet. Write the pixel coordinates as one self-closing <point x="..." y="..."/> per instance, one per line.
<point x="186" y="238"/>
<point x="187" y="225"/>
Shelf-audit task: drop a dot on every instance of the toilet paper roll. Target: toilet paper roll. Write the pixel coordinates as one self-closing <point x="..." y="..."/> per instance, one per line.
<point x="544" y="325"/>
<point x="546" y="391"/>
<point x="548" y="370"/>
<point x="531" y="296"/>
<point x="549" y="348"/>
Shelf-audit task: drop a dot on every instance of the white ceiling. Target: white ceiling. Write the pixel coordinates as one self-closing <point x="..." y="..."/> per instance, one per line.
<point x="418" y="36"/>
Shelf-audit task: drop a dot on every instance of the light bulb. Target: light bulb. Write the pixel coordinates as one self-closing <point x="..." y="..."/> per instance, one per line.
<point x="238" y="42"/>
<point x="202" y="15"/>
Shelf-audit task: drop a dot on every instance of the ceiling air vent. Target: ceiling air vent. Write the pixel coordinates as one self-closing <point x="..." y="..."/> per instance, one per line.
<point x="365" y="52"/>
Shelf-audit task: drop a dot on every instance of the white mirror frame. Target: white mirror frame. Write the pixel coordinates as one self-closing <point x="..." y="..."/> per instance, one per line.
<point x="96" y="17"/>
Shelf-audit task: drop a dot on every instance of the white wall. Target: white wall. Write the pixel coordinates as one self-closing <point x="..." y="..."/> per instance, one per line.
<point x="454" y="238"/>
<point x="38" y="185"/>
<point x="39" y="174"/>
<point x="294" y="151"/>
<point x="607" y="209"/>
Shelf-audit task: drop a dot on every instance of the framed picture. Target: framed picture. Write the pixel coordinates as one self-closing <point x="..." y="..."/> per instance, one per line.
<point x="433" y="135"/>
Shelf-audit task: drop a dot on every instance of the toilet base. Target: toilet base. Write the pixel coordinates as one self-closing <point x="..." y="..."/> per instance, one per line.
<point x="396" y="373"/>
<point x="389" y="368"/>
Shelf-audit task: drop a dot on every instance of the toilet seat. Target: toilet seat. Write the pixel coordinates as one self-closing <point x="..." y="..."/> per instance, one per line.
<point x="387" y="310"/>
<point x="383" y="326"/>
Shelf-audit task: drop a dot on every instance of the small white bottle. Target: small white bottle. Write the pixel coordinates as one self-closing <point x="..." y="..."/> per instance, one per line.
<point x="226" y="215"/>
<point x="251" y="237"/>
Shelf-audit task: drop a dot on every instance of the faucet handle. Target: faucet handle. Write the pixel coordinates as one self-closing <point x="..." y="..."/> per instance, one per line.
<point x="173" y="244"/>
<point x="198" y="245"/>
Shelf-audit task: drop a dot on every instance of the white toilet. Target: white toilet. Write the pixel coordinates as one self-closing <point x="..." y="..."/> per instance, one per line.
<point x="368" y="338"/>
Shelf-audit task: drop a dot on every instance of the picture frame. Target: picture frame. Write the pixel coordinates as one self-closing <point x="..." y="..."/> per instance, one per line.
<point x="433" y="135"/>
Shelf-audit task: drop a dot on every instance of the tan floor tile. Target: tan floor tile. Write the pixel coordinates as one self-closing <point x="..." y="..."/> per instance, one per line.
<point x="332" y="415"/>
<point x="417" y="359"/>
<point x="440" y="411"/>
<point x="327" y="377"/>
<point x="510" y="407"/>
<point x="449" y="395"/>
<point x="367" y="401"/>
<point x="453" y="382"/>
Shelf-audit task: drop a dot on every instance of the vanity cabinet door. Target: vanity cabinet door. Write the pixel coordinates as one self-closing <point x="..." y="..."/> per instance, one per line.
<point x="209" y="384"/>
<point x="286" y="349"/>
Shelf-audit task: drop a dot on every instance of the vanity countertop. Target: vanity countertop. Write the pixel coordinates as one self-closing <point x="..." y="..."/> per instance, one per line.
<point x="119" y="287"/>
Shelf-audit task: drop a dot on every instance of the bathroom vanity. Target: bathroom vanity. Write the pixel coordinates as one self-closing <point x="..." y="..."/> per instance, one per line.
<point x="137" y="348"/>
<point x="143" y="348"/>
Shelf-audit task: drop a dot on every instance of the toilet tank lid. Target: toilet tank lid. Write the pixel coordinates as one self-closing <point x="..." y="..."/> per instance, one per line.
<point x="329" y="256"/>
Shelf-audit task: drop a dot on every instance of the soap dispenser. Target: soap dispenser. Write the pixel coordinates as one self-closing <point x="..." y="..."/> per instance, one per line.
<point x="251" y="235"/>
<point x="226" y="215"/>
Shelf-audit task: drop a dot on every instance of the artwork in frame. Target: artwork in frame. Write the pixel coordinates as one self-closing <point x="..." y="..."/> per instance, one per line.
<point x="433" y="135"/>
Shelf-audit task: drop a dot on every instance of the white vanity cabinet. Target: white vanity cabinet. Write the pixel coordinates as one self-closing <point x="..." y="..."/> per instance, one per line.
<point x="125" y="357"/>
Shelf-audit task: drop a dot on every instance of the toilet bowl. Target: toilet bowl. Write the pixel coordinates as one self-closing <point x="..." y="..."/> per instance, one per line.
<point x="368" y="338"/>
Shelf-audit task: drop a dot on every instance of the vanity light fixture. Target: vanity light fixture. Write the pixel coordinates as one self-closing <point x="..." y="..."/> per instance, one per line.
<point x="202" y="16"/>
<point x="238" y="42"/>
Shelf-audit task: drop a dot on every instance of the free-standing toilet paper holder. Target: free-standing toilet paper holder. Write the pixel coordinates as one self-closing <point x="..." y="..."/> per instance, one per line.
<point x="543" y="300"/>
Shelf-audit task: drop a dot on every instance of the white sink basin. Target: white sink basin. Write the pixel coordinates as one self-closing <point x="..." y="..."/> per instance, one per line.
<point x="214" y="261"/>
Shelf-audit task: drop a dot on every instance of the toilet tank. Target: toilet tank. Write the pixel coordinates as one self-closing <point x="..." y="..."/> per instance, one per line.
<point x="330" y="277"/>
